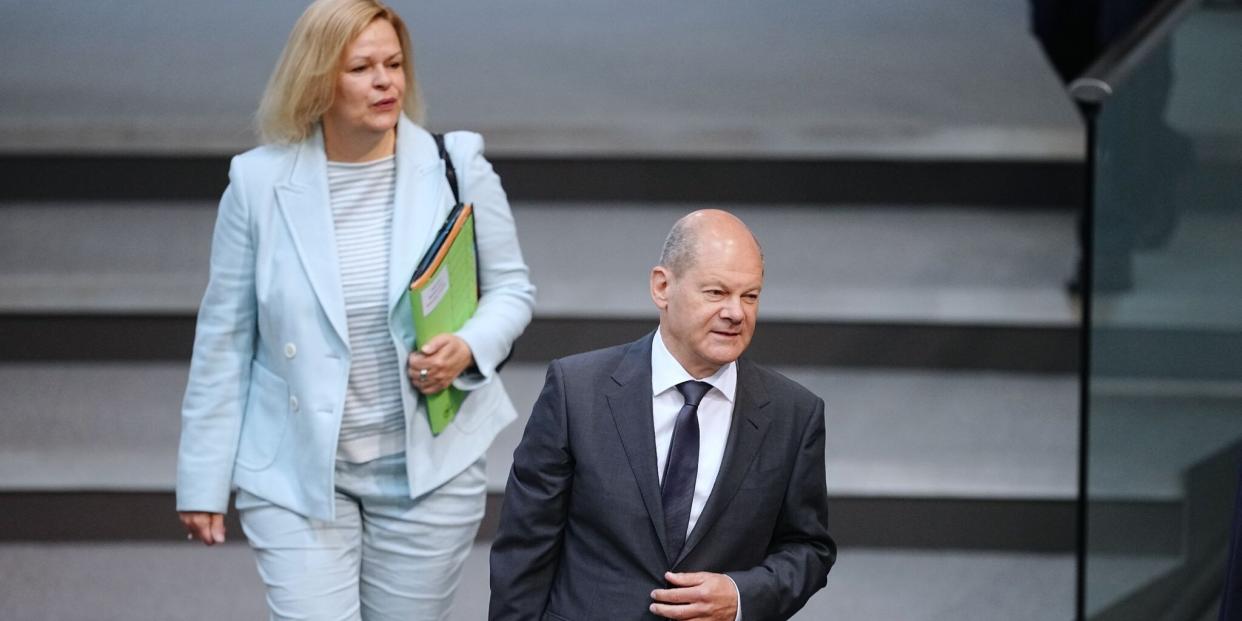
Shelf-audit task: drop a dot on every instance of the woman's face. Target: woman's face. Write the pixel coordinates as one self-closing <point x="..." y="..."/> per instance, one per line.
<point x="370" y="86"/>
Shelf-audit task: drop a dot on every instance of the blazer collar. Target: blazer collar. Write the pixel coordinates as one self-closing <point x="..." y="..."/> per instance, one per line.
<point x="746" y="432"/>
<point x="304" y="204"/>
<point x="629" y="399"/>
<point x="421" y="203"/>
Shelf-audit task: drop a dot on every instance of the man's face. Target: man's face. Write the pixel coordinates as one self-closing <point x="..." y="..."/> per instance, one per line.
<point x="707" y="312"/>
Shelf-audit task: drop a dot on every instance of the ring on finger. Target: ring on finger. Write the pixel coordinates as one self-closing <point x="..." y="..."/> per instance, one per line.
<point x="189" y="536"/>
<point x="422" y="376"/>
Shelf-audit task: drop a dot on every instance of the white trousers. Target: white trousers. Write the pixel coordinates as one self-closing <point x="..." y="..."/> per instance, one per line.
<point x="386" y="556"/>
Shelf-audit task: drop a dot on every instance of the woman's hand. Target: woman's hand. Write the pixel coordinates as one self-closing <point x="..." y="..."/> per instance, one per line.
<point x="205" y="527"/>
<point x="433" y="367"/>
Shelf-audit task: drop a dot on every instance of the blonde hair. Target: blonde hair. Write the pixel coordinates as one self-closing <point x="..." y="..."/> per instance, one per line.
<point x="303" y="84"/>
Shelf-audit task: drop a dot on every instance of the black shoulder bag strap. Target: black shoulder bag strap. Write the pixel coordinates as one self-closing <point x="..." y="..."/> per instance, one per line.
<point x="450" y="172"/>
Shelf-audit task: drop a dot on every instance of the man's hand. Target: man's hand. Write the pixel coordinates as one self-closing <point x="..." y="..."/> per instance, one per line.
<point x="205" y="527"/>
<point x="433" y="367"/>
<point x="700" y="596"/>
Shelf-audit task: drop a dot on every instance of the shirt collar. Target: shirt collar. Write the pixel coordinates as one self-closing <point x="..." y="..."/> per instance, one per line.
<point x="667" y="373"/>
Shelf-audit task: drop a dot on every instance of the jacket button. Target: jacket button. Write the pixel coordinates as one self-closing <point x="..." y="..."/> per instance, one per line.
<point x="291" y="350"/>
<point x="293" y="403"/>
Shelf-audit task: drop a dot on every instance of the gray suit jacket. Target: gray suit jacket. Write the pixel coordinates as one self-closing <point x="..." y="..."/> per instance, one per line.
<point x="581" y="532"/>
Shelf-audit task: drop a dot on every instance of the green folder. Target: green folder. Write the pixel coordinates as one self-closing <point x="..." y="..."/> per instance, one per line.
<point x="444" y="293"/>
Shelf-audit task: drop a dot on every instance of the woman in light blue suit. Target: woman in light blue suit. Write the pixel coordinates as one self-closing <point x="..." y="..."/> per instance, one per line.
<point x="303" y="391"/>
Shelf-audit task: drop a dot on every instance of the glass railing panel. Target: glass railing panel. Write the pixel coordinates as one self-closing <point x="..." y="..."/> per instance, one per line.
<point x="1165" y="377"/>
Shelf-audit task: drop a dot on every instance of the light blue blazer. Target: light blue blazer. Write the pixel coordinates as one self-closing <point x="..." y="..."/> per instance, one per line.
<point x="267" y="382"/>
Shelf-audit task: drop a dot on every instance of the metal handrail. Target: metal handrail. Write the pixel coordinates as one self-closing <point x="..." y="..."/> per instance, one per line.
<point x="1106" y="74"/>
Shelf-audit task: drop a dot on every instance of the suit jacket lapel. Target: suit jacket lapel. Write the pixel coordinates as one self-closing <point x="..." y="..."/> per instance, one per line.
<point x="630" y="402"/>
<point x="746" y="432"/>
<point x="307" y="210"/>
<point x="419" y="205"/>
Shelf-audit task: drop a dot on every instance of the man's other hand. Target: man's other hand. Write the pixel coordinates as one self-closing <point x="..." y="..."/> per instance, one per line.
<point x="700" y="596"/>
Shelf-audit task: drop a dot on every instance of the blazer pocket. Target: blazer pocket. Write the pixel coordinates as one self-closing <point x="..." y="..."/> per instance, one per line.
<point x="479" y="406"/>
<point x="548" y="615"/>
<point x="265" y="419"/>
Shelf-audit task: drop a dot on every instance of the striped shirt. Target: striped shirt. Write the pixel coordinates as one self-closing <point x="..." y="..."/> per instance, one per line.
<point x="362" y="203"/>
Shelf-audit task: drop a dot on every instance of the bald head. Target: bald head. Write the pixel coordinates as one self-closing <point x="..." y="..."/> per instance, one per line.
<point x="712" y="229"/>
<point x="707" y="289"/>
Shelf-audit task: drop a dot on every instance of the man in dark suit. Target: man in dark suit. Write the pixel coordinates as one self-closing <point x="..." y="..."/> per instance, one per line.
<point x="669" y="477"/>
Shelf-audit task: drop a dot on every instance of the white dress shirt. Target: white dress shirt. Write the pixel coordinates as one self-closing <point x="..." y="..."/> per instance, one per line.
<point x="715" y="417"/>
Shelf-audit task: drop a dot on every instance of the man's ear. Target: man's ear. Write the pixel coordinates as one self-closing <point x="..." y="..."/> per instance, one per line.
<point x="660" y="282"/>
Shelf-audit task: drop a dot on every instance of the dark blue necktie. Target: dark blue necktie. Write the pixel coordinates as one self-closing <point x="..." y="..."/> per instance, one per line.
<point x="682" y="466"/>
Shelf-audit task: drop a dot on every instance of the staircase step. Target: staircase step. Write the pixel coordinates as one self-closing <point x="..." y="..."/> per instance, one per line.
<point x="896" y="264"/>
<point x="786" y="79"/>
<point x="895" y="286"/>
<point x="1146" y="435"/>
<point x="1019" y="431"/>
<point x="168" y="580"/>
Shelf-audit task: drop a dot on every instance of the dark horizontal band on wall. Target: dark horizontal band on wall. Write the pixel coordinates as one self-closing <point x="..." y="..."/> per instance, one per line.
<point x="1022" y="183"/>
<point x="1006" y="524"/>
<point x="923" y="346"/>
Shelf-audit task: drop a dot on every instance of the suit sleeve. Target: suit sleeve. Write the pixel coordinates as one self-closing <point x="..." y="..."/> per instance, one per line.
<point x="527" y="550"/>
<point x="507" y="295"/>
<point x="801" y="551"/>
<point x="216" y="392"/>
